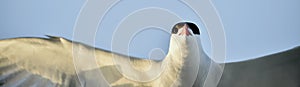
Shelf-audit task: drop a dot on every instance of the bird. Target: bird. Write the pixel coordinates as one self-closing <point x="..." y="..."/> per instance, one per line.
<point x="48" y="62"/>
<point x="33" y="61"/>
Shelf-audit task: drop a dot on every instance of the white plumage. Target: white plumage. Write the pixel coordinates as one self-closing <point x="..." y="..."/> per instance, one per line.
<point x="49" y="62"/>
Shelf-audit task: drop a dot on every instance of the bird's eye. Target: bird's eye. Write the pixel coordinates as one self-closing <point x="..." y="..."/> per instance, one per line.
<point x="177" y="27"/>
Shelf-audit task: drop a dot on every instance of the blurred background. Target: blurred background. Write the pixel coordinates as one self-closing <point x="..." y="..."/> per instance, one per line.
<point x="253" y="28"/>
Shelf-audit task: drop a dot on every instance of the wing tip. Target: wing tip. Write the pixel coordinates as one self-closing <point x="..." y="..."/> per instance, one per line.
<point x="53" y="37"/>
<point x="56" y="38"/>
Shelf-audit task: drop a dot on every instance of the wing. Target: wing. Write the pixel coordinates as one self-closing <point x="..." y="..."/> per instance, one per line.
<point x="277" y="70"/>
<point x="57" y="61"/>
<point x="35" y="62"/>
<point x="49" y="62"/>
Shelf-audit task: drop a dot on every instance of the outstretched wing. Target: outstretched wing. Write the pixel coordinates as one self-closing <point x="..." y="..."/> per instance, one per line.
<point x="49" y="62"/>
<point x="276" y="70"/>
<point x="35" y="62"/>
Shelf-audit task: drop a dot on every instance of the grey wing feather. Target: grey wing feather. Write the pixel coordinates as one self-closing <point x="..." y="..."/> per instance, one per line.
<point x="276" y="70"/>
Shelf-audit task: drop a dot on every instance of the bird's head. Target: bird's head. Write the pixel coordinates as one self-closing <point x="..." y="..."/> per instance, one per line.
<point x="185" y="29"/>
<point x="183" y="37"/>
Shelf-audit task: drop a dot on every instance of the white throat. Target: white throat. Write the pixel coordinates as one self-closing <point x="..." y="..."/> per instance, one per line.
<point x="182" y="50"/>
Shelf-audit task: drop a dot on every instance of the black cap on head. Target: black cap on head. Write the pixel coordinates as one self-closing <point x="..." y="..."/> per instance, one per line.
<point x="192" y="26"/>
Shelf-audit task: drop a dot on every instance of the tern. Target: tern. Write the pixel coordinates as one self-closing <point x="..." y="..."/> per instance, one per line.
<point x="47" y="62"/>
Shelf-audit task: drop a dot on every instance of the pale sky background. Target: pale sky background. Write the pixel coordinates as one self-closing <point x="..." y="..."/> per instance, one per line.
<point x="253" y="28"/>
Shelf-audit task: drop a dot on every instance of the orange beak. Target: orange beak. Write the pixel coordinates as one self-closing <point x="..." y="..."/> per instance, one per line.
<point x="185" y="30"/>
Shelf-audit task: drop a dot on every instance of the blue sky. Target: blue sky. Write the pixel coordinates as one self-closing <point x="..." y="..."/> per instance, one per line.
<point x="253" y="28"/>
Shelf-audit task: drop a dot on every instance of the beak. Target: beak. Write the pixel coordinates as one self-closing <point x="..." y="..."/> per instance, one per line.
<point x="185" y="30"/>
